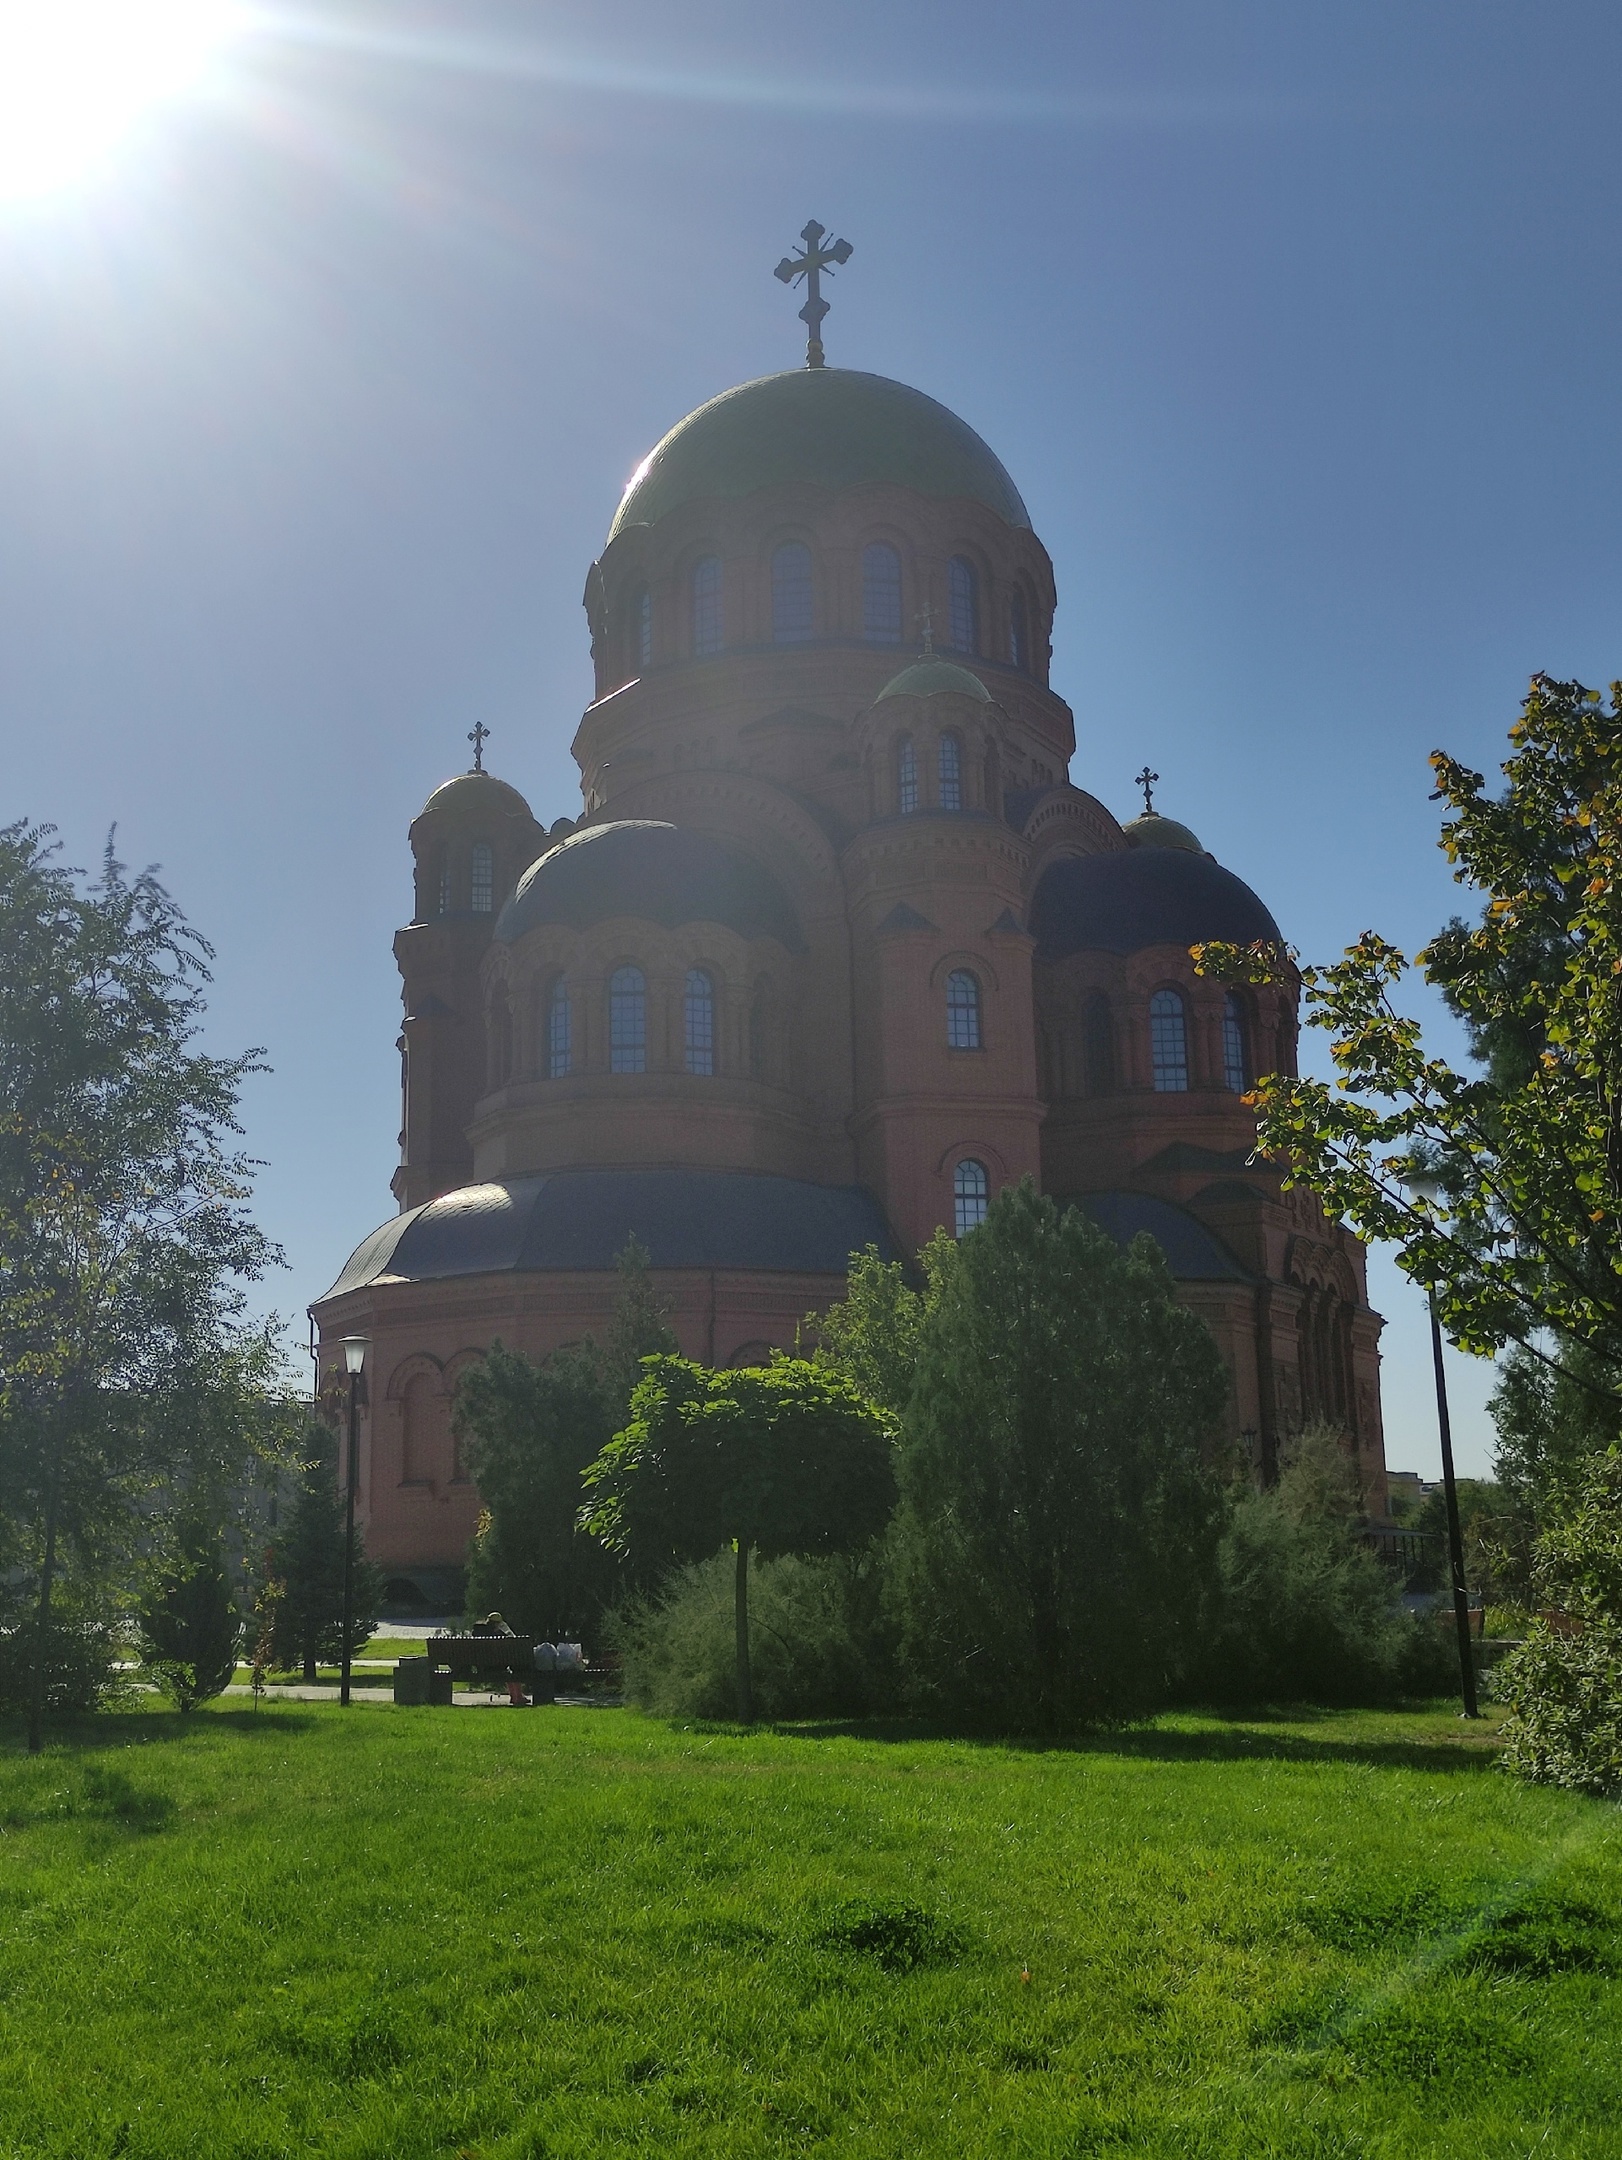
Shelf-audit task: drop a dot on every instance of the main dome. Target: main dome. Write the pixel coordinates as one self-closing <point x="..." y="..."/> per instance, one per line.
<point x="834" y="427"/>
<point x="659" y="872"/>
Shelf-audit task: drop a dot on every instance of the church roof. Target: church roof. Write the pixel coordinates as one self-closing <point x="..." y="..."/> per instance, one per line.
<point x="1152" y="830"/>
<point x="934" y="677"/>
<point x="835" y="427"/>
<point x="1132" y="898"/>
<point x="659" y="872"/>
<point x="1193" y="1253"/>
<point x="480" y="791"/>
<point x="583" y="1219"/>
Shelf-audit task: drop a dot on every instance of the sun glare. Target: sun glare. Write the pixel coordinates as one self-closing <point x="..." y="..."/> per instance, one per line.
<point x="75" y="75"/>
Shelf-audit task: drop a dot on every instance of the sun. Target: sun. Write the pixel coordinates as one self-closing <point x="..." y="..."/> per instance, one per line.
<point x="76" y="74"/>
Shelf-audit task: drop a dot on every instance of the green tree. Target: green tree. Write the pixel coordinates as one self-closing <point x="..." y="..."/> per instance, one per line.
<point x="1551" y="1426"/>
<point x="188" y="1623"/>
<point x="1523" y="1245"/>
<point x="772" y="1460"/>
<point x="1055" y="1543"/>
<point x="872" y="1334"/>
<point x="1564" y="1684"/>
<point x="306" y="1561"/>
<point x="126" y="1370"/>
<point x="531" y="1430"/>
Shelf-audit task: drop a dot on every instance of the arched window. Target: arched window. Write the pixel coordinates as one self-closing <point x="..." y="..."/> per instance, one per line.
<point x="482" y="878"/>
<point x="642" y="629"/>
<point x="424" y="1429"/>
<point x="881" y="594"/>
<point x="559" y="1031"/>
<point x="963" y="614"/>
<point x="1098" y="1045"/>
<point x="1235" y="1063"/>
<point x="1019" y="633"/>
<point x="791" y="593"/>
<point x="906" y="776"/>
<point x="627" y="1021"/>
<point x="1168" y="1043"/>
<point x="971" y="1195"/>
<point x="698" y="1022"/>
<point x="706" y="606"/>
<point x="951" y="773"/>
<point x="962" y="1011"/>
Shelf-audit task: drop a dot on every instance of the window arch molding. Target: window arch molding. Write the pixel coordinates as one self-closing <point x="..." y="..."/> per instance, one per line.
<point x="420" y="1361"/>
<point x="982" y="1151"/>
<point x="973" y="963"/>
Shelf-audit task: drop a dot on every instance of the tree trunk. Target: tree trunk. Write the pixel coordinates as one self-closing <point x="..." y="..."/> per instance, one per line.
<point x="746" y="1696"/>
<point x="42" y="1613"/>
<point x="309" y="1666"/>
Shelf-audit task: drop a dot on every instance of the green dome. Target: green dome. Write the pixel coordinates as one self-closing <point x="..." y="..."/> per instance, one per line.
<point x="1155" y="831"/>
<point x="934" y="677"/>
<point x="835" y="427"/>
<point x="477" y="791"/>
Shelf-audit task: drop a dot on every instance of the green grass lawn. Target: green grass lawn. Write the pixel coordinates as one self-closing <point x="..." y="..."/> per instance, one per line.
<point x="412" y="1933"/>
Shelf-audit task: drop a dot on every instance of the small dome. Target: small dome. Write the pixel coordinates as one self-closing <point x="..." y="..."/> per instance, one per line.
<point x="653" y="870"/>
<point x="834" y="427"/>
<point x="1153" y="830"/>
<point x="477" y="791"/>
<point x="1132" y="898"/>
<point x="934" y="677"/>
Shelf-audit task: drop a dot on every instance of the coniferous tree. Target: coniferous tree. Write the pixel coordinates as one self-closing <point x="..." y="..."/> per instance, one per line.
<point x="307" y="1559"/>
<point x="188" y="1622"/>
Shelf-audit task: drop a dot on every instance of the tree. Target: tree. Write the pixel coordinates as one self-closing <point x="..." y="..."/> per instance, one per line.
<point x="773" y="1460"/>
<point x="872" y="1334"/>
<point x="1056" y="1538"/>
<point x="125" y="1366"/>
<point x="531" y="1430"/>
<point x="1523" y="1245"/>
<point x="188" y="1622"/>
<point x="306" y="1563"/>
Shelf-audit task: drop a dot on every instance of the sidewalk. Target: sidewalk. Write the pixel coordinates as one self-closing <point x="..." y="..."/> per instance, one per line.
<point x="300" y="1691"/>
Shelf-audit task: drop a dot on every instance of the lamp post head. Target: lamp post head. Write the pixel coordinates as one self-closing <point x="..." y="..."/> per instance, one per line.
<point x="355" y="1349"/>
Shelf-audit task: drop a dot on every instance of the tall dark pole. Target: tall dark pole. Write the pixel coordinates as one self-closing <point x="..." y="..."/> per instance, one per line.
<point x="349" y="1532"/>
<point x="1455" y="1536"/>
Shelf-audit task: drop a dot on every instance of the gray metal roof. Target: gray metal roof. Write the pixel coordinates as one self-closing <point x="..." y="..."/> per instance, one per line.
<point x="1136" y="897"/>
<point x="656" y="871"/>
<point x="583" y="1219"/>
<point x="1193" y="1253"/>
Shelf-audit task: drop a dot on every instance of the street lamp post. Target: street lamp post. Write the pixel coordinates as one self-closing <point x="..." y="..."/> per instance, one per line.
<point x="354" y="1365"/>
<point x="1426" y="1187"/>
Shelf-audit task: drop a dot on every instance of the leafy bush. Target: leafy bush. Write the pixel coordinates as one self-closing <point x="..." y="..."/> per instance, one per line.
<point x="305" y="1568"/>
<point x="188" y="1622"/>
<point x="81" y="1665"/>
<point x="1304" y="1612"/>
<point x="1564" y="1689"/>
<point x="820" y="1647"/>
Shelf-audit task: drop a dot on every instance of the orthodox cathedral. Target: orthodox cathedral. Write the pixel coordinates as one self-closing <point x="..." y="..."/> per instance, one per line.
<point x="833" y="949"/>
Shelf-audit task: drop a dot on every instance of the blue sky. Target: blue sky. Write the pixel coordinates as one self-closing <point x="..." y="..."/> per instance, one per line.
<point x="1296" y="327"/>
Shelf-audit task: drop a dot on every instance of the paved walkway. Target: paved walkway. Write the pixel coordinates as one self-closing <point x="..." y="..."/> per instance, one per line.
<point x="301" y="1691"/>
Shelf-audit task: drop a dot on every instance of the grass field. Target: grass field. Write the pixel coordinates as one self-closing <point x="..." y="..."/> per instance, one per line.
<point x="400" y="1934"/>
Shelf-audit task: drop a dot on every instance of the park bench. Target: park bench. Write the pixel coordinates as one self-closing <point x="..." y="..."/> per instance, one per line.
<point x="539" y="1667"/>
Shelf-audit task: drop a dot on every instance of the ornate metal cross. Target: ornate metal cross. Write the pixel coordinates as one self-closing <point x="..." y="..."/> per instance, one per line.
<point x="1146" y="780"/>
<point x="478" y="735"/>
<point x="926" y="617"/>
<point x="810" y="264"/>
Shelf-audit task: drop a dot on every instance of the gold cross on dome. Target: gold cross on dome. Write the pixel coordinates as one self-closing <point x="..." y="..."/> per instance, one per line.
<point x="478" y="735"/>
<point x="1146" y="780"/>
<point x="809" y="264"/>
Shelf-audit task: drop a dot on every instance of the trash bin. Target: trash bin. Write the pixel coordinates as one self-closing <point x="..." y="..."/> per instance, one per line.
<point x="440" y="1688"/>
<point x="411" y="1677"/>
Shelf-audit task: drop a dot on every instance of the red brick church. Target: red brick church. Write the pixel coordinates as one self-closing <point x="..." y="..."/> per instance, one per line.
<point x="832" y="949"/>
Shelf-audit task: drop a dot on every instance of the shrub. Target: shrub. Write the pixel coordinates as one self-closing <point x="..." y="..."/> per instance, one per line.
<point x="820" y="1645"/>
<point x="188" y="1622"/>
<point x="81" y="1665"/>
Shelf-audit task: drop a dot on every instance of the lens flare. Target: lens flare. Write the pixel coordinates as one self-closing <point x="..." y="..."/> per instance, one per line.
<point x="75" y="76"/>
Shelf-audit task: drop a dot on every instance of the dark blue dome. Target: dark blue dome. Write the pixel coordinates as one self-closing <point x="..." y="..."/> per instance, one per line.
<point x="1126" y="900"/>
<point x="658" y="872"/>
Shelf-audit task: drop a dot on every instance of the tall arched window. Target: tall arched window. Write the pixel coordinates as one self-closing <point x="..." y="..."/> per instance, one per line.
<point x="951" y="773"/>
<point x="1098" y="1045"/>
<point x="906" y="776"/>
<point x="698" y="1022"/>
<point x="627" y="1021"/>
<point x="881" y="594"/>
<point x="791" y="593"/>
<point x="962" y="1011"/>
<point x="1235" y="1063"/>
<point x="1168" y="1043"/>
<point x="642" y="629"/>
<point x="963" y="596"/>
<point x="971" y="1195"/>
<point x="482" y="878"/>
<point x="559" y="1031"/>
<point x="706" y="606"/>
<point x="1019" y="633"/>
